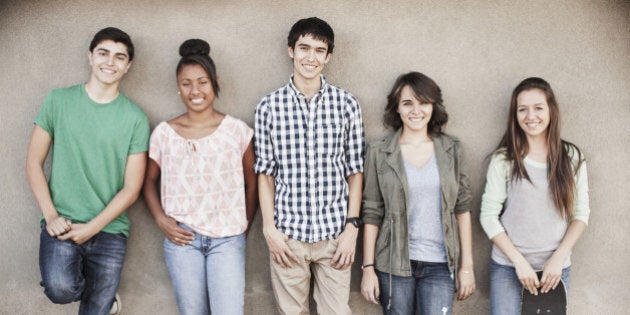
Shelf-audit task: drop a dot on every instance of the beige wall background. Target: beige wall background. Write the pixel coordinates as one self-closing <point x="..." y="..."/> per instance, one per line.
<point x="477" y="51"/>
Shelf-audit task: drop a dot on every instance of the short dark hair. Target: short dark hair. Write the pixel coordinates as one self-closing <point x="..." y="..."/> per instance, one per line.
<point x="315" y="27"/>
<point x="425" y="90"/>
<point x="113" y="34"/>
<point x="197" y="52"/>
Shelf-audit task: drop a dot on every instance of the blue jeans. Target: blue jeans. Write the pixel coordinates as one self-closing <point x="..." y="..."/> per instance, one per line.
<point x="506" y="290"/>
<point x="431" y="286"/>
<point x="89" y="272"/>
<point x="208" y="275"/>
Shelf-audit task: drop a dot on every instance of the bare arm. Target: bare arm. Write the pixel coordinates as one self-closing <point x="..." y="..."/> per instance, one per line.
<point x="134" y="173"/>
<point x="37" y="151"/>
<point x="276" y="240"/>
<point x="344" y="256"/>
<point x="466" y="274"/>
<point x="369" y="281"/>
<point x="552" y="269"/>
<point x="251" y="186"/>
<point x="168" y="225"/>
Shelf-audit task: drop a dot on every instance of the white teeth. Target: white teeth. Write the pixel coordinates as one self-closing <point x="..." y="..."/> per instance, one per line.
<point x="196" y="100"/>
<point x="108" y="71"/>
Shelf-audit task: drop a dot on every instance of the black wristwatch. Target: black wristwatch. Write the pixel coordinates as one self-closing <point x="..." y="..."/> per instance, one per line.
<point x="356" y="221"/>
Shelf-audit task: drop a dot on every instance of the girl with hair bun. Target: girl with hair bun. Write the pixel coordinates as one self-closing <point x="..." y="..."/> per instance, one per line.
<point x="535" y="206"/>
<point x="204" y="161"/>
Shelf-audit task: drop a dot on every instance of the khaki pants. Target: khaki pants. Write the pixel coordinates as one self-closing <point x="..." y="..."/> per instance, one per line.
<point x="291" y="285"/>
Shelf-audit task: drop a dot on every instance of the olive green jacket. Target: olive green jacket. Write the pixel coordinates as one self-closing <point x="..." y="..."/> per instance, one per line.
<point x="385" y="200"/>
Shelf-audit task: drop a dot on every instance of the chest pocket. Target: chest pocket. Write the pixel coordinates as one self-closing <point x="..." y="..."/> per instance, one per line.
<point x="329" y="137"/>
<point x="391" y="189"/>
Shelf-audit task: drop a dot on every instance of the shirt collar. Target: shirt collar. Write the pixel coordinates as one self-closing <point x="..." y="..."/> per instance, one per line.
<point x="296" y="92"/>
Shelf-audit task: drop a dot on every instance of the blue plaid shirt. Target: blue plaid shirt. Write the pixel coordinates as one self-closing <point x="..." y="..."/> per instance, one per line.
<point x="310" y="148"/>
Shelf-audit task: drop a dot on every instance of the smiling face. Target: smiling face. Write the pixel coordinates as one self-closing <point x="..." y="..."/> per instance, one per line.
<point x="532" y="113"/>
<point x="109" y="61"/>
<point x="309" y="57"/>
<point x="195" y="88"/>
<point x="415" y="114"/>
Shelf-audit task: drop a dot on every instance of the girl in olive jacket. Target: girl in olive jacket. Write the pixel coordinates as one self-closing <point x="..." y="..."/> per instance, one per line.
<point x="417" y="243"/>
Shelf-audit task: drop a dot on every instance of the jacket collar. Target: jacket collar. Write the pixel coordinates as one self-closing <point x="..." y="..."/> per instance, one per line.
<point x="444" y="155"/>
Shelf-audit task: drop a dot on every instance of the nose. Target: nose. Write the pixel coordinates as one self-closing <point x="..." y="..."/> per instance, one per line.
<point x="195" y="89"/>
<point x="530" y="114"/>
<point x="311" y="54"/>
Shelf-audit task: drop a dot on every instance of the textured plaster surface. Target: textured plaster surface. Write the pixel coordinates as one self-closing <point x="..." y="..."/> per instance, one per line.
<point x="477" y="51"/>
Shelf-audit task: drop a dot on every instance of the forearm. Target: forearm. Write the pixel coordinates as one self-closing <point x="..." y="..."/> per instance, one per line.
<point x="251" y="185"/>
<point x="465" y="240"/>
<point x="355" y="194"/>
<point x="573" y="234"/>
<point x="41" y="192"/>
<point x="152" y="199"/>
<point x="370" y="233"/>
<point x="38" y="148"/>
<point x="132" y="184"/>
<point x="504" y="243"/>
<point x="121" y="201"/>
<point x="266" y="195"/>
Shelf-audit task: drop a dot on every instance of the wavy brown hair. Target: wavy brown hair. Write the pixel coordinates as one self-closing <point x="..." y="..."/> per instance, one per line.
<point x="560" y="169"/>
<point x="425" y="90"/>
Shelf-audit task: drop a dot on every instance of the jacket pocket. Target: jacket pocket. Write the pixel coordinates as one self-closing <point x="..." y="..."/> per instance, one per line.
<point x="383" y="240"/>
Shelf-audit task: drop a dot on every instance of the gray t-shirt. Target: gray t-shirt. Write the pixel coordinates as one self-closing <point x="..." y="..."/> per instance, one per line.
<point x="531" y="219"/>
<point x="426" y="238"/>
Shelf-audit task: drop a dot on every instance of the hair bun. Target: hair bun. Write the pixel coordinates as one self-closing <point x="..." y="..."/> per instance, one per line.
<point x="194" y="47"/>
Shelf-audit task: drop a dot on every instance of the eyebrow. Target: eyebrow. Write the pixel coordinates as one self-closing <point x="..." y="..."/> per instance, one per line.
<point x="107" y="51"/>
<point x="309" y="46"/>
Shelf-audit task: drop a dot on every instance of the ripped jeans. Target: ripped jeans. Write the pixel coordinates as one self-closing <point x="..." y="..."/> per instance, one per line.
<point x="430" y="290"/>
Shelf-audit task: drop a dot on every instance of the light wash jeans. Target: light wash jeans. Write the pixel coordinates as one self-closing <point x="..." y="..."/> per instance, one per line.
<point x="89" y="272"/>
<point x="208" y="275"/>
<point x="431" y="286"/>
<point x="506" y="290"/>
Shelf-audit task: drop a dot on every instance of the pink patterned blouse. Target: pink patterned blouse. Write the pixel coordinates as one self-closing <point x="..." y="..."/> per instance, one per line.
<point x="202" y="183"/>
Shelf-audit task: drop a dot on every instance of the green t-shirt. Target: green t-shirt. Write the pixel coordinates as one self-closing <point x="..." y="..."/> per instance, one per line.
<point x="90" y="145"/>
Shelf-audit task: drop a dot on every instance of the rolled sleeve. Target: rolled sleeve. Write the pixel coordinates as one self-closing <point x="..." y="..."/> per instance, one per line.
<point x="263" y="143"/>
<point x="355" y="144"/>
<point x="464" y="194"/>
<point x="372" y="205"/>
<point x="494" y="195"/>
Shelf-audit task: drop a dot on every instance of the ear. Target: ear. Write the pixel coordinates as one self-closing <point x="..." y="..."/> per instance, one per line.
<point x="89" y="54"/>
<point x="290" y="49"/>
<point x="128" y="66"/>
<point x="328" y="56"/>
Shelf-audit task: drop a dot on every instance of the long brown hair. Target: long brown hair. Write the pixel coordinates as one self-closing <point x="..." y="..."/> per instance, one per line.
<point x="560" y="168"/>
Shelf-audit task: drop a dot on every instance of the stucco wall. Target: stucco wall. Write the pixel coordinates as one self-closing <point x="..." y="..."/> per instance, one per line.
<point x="477" y="51"/>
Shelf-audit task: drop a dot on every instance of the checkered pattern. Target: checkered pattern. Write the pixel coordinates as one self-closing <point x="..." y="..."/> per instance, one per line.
<point x="310" y="147"/>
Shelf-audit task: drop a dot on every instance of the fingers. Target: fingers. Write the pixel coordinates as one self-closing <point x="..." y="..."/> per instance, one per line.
<point x="369" y="287"/>
<point x="180" y="236"/>
<point x="530" y="285"/>
<point x="370" y="294"/>
<point x="549" y="282"/>
<point x="341" y="261"/>
<point x="58" y="226"/>
<point x="284" y="258"/>
<point x="465" y="292"/>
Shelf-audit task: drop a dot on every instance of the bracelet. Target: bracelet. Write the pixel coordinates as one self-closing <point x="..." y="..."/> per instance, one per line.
<point x="365" y="266"/>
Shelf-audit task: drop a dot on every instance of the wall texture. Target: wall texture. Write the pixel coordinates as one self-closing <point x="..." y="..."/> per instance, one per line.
<point x="477" y="51"/>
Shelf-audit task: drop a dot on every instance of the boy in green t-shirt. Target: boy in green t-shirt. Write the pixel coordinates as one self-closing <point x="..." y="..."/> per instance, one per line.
<point x="99" y="139"/>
